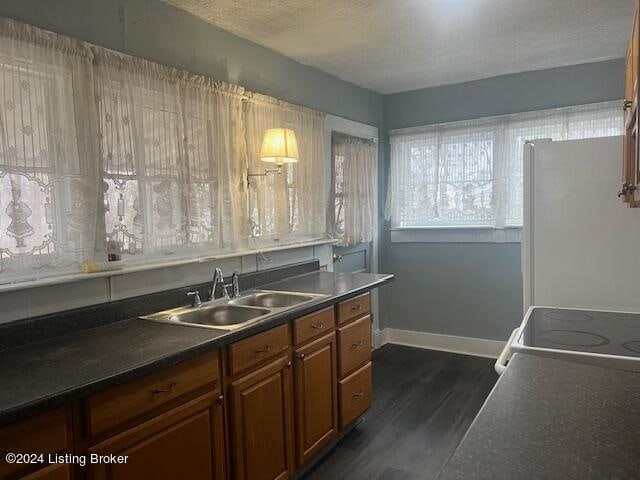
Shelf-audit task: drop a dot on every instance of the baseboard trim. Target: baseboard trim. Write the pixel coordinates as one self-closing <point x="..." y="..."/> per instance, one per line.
<point x="380" y="338"/>
<point x="479" y="347"/>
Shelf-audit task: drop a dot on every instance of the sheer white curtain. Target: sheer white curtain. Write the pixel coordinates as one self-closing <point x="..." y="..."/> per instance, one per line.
<point x="172" y="155"/>
<point x="354" y="173"/>
<point x="96" y="146"/>
<point x="291" y="204"/>
<point x="469" y="174"/>
<point x="49" y="177"/>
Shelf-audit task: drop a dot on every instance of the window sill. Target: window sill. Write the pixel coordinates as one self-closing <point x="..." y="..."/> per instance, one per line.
<point x="140" y="267"/>
<point x="456" y="235"/>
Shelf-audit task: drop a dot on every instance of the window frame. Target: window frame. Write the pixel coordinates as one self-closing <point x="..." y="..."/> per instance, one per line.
<point x="503" y="126"/>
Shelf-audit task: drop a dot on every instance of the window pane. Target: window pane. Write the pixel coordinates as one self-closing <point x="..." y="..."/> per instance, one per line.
<point x="464" y="185"/>
<point x="471" y="173"/>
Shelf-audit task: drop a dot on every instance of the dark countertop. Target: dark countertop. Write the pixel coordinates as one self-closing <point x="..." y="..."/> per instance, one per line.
<point x="38" y="376"/>
<point x="553" y="419"/>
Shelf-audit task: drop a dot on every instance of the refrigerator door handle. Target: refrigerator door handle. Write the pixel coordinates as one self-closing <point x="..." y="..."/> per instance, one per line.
<point x="501" y="362"/>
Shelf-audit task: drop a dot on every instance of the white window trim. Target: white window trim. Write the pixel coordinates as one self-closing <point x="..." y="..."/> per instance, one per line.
<point x="479" y="234"/>
<point x="155" y="265"/>
<point x="461" y="233"/>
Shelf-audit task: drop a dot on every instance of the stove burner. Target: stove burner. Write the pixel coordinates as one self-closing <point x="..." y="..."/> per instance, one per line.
<point x="568" y="316"/>
<point x="633" y="346"/>
<point x="574" y="338"/>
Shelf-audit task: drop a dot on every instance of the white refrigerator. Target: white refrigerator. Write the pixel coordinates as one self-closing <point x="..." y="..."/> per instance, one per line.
<point x="580" y="256"/>
<point x="580" y="243"/>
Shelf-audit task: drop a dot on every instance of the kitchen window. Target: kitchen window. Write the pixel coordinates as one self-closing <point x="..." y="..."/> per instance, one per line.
<point x="468" y="175"/>
<point x="165" y="158"/>
<point x="293" y="203"/>
<point x="48" y="175"/>
<point x="354" y="163"/>
<point x="100" y="150"/>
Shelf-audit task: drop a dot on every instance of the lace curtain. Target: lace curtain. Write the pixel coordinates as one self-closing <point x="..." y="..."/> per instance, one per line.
<point x="97" y="146"/>
<point x="291" y="203"/>
<point x="353" y="177"/>
<point x="49" y="178"/>
<point x="469" y="174"/>
<point x="172" y="157"/>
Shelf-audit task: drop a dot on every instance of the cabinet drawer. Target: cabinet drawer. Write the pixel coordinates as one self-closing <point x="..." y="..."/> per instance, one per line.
<point x="353" y="308"/>
<point x="44" y="433"/>
<point x="355" y="395"/>
<point x="252" y="351"/>
<point x="123" y="403"/>
<point x="313" y="325"/>
<point x="354" y="345"/>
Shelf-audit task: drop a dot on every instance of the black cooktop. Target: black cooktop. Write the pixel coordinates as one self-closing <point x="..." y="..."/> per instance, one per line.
<point x="608" y="333"/>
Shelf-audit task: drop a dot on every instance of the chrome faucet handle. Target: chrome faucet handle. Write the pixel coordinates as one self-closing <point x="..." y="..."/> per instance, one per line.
<point x="217" y="275"/>
<point x="235" y="284"/>
<point x="225" y="291"/>
<point x="218" y="278"/>
<point x="196" y="298"/>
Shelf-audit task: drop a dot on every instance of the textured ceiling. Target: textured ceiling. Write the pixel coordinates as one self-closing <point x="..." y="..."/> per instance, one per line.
<point x="392" y="46"/>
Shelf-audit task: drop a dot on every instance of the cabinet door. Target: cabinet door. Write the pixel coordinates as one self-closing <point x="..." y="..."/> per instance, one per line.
<point x="631" y="160"/>
<point x="185" y="442"/>
<point x="45" y="433"/>
<point x="52" y="472"/>
<point x="316" y="396"/>
<point x="634" y="114"/>
<point x="261" y="423"/>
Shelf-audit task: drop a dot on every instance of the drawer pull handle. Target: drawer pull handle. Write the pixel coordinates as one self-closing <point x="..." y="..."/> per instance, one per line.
<point x="356" y="308"/>
<point x="266" y="349"/>
<point x="318" y="326"/>
<point x="357" y="344"/>
<point x="167" y="389"/>
<point x="301" y="356"/>
<point x="359" y="394"/>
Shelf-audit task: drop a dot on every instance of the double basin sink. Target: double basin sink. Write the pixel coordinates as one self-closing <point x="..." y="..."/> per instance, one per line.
<point x="234" y="313"/>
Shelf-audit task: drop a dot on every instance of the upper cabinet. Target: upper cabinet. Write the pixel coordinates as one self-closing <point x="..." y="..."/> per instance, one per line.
<point x="631" y="167"/>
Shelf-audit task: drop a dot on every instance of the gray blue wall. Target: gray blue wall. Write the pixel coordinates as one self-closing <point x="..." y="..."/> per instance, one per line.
<point x="475" y="289"/>
<point x="520" y="92"/>
<point x="460" y="289"/>
<point x="159" y="32"/>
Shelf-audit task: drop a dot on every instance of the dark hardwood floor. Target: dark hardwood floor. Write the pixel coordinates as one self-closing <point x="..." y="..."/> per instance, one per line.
<point x="424" y="401"/>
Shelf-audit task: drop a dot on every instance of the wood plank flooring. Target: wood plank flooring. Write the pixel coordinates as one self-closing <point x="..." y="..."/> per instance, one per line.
<point x="424" y="401"/>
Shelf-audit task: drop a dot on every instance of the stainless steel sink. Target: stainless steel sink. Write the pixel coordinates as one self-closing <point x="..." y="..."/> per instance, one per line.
<point x="272" y="299"/>
<point x="225" y="317"/>
<point x="231" y="314"/>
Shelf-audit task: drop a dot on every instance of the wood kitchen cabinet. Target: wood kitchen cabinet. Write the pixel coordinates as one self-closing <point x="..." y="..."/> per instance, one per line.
<point x="316" y="396"/>
<point x="184" y="442"/>
<point x="261" y="423"/>
<point x="52" y="472"/>
<point x="43" y="434"/>
<point x="355" y="395"/>
<point x="169" y="424"/>
<point x="630" y="191"/>
<point x="257" y="409"/>
<point x="354" y="358"/>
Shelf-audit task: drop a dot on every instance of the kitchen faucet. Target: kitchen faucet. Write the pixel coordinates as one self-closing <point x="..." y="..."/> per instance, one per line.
<point x="218" y="279"/>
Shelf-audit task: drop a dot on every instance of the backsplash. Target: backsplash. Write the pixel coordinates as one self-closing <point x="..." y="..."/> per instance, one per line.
<point x="47" y="326"/>
<point x="33" y="302"/>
